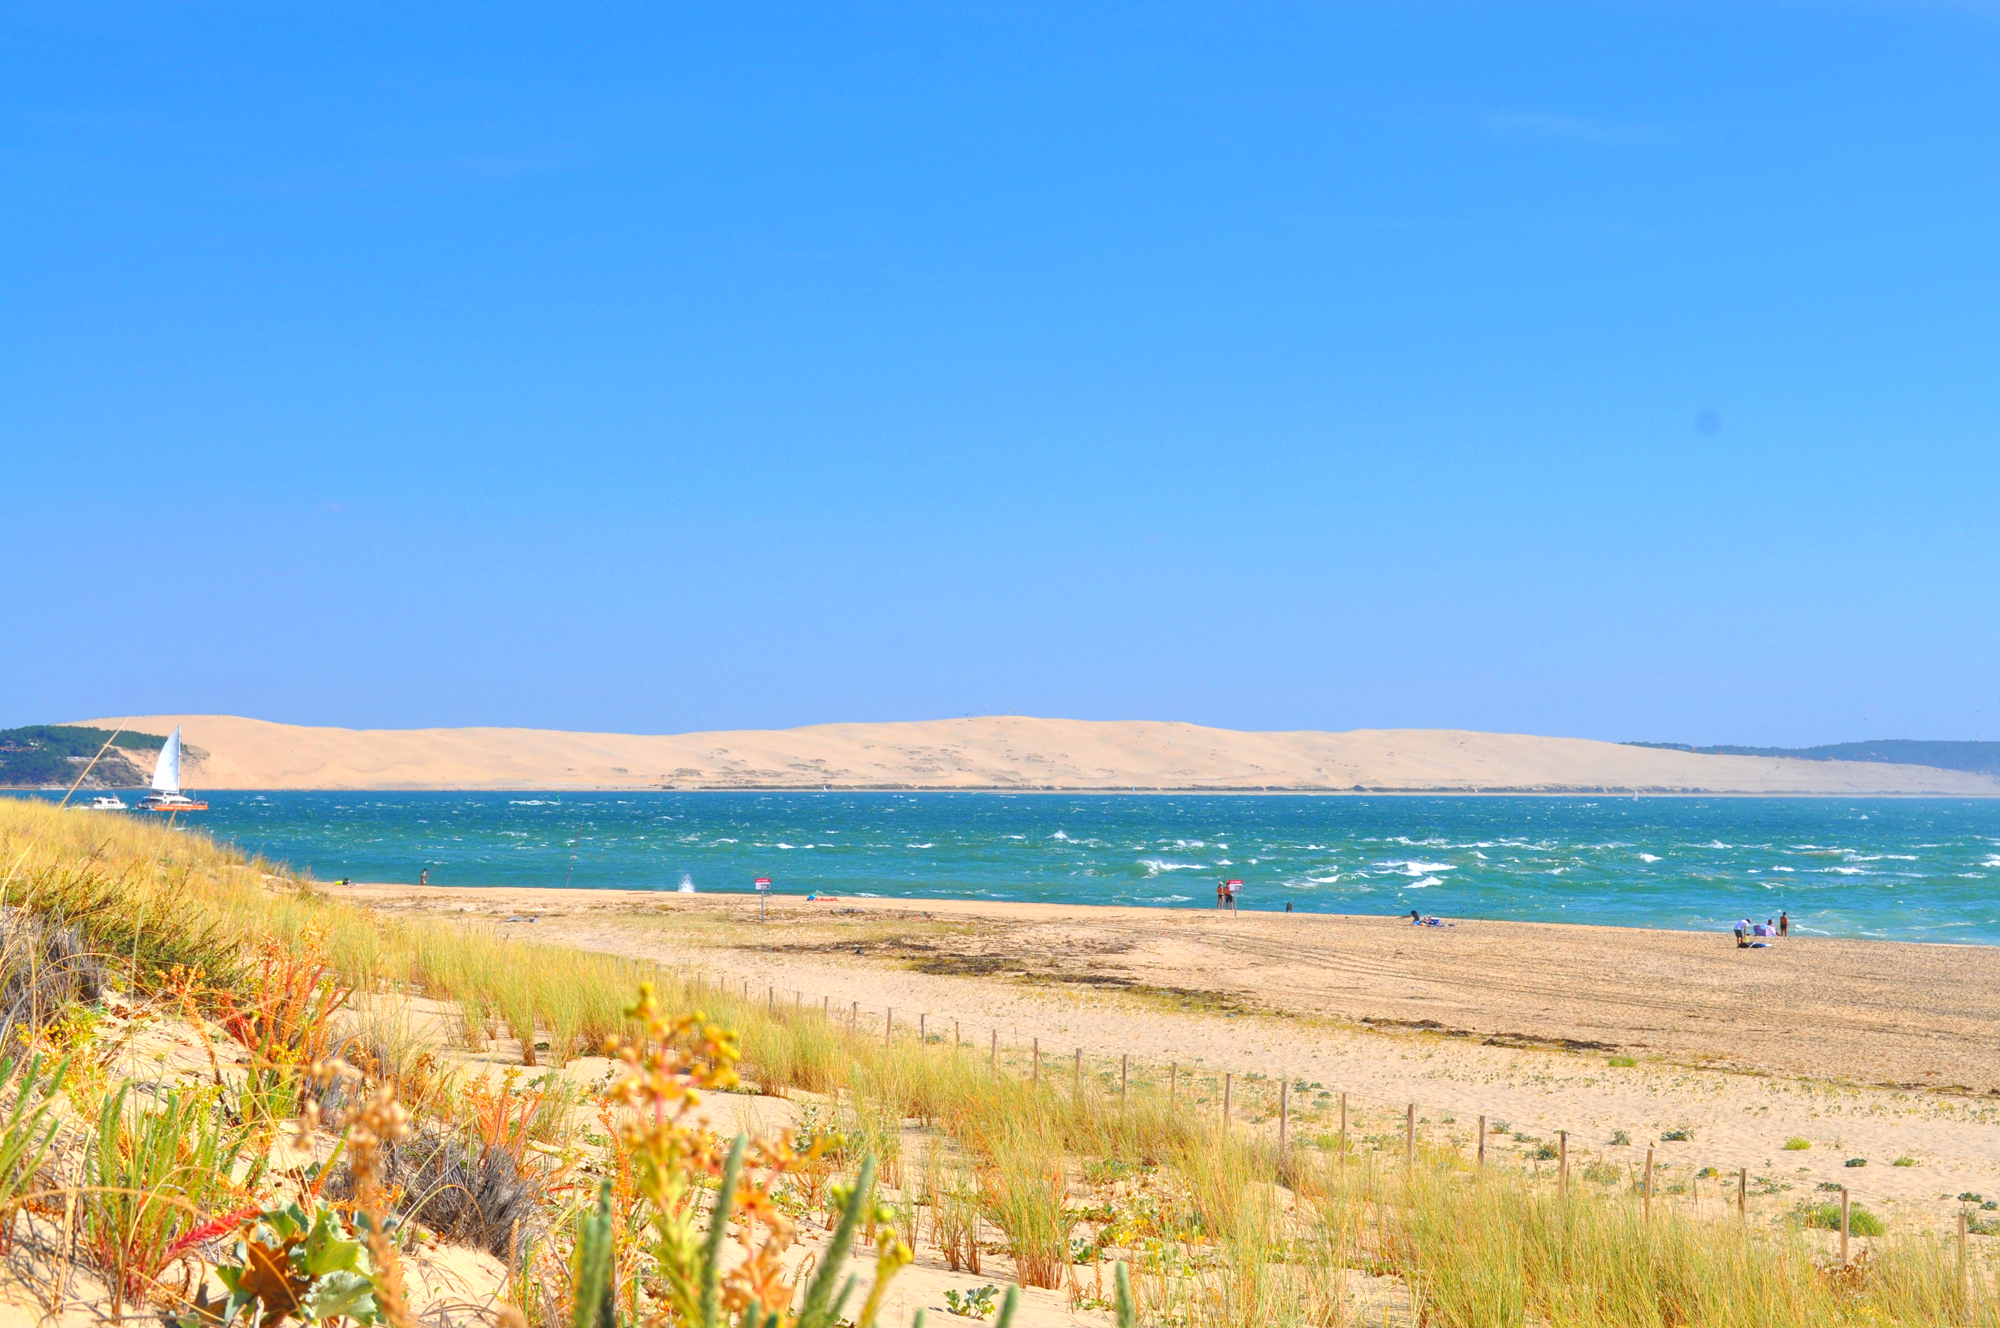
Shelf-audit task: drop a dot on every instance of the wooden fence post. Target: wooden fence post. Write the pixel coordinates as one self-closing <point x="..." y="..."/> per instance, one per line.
<point x="1963" y="1289"/>
<point x="993" y="1053"/>
<point x="1035" y="1075"/>
<point x="1743" y="1195"/>
<point x="923" y="1026"/>
<point x="1843" y="1226"/>
<point x="888" y="1025"/>
<point x="1562" y="1163"/>
<point x="1482" y="1143"/>
<point x="1410" y="1137"/>
<point x="1076" y="1080"/>
<point x="1228" y="1081"/>
<point x="854" y="1019"/>
<point x="956" y="1041"/>
<point x="771" y="999"/>
<point x="1649" y="1182"/>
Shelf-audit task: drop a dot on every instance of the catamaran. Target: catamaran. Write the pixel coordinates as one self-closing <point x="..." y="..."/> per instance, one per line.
<point x="166" y="795"/>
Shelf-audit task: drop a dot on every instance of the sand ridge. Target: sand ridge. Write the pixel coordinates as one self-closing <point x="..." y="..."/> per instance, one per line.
<point x="1006" y="752"/>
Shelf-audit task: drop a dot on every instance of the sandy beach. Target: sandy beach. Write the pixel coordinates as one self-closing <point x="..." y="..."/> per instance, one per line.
<point x="1008" y="752"/>
<point x="1866" y="1050"/>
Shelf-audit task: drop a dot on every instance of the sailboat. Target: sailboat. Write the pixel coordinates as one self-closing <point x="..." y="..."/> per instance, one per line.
<point x="166" y="795"/>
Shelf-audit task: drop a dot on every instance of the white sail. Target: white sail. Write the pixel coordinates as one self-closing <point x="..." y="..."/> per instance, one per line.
<point x="167" y="774"/>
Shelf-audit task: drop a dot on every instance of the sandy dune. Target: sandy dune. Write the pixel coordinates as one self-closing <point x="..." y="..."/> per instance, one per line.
<point x="996" y="752"/>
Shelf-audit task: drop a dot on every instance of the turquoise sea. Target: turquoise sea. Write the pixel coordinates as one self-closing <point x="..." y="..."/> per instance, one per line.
<point x="1907" y="869"/>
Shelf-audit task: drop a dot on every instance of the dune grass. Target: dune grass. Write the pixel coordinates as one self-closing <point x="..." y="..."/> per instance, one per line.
<point x="1217" y="1228"/>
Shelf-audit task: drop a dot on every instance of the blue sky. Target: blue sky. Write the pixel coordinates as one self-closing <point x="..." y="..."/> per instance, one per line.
<point x="1620" y="370"/>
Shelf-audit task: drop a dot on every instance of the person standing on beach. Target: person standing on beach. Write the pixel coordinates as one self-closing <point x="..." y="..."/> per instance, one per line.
<point x="424" y="876"/>
<point x="1784" y="923"/>
<point x="1221" y="895"/>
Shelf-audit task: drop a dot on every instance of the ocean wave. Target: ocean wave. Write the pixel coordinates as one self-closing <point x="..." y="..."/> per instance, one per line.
<point x="1413" y="867"/>
<point x="1154" y="866"/>
<point x="1649" y="857"/>
<point x="1225" y="862"/>
<point x="1841" y="871"/>
<point x="1788" y="869"/>
<point x="1166" y="899"/>
<point x="920" y="846"/>
<point x="1426" y="883"/>
<point x="533" y="802"/>
<point x="1060" y="835"/>
<point x="787" y="846"/>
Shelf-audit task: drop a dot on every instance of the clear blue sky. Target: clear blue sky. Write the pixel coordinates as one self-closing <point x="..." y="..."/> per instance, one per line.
<point x="1622" y="370"/>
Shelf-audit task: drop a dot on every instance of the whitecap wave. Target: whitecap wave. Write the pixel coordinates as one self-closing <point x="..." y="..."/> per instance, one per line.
<point x="920" y="846"/>
<point x="1154" y="866"/>
<point x="1649" y="857"/>
<point x="1413" y="867"/>
<point x="1166" y="899"/>
<point x="1426" y="883"/>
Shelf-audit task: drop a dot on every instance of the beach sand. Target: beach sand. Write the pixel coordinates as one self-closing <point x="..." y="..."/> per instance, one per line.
<point x="1868" y="1050"/>
<point x="995" y="752"/>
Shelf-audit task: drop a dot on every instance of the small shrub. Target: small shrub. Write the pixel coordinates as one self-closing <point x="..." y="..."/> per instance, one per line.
<point x="1826" y="1217"/>
<point x="1904" y="1162"/>
<point x="1796" y="1144"/>
<point x="1856" y="1162"/>
<point x="1624" y="1062"/>
<point x="1683" y="1135"/>
<point x="1620" y="1138"/>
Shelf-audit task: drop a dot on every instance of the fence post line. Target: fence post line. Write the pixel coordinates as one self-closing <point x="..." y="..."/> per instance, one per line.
<point x="1284" y="1111"/>
<point x="854" y="1019"/>
<point x="1743" y="1195"/>
<point x="1843" y="1226"/>
<point x="1228" y="1082"/>
<point x="1482" y="1143"/>
<point x="956" y="1041"/>
<point x="1562" y="1163"/>
<point x="825" y="1007"/>
<point x="1649" y="1181"/>
<point x="1410" y="1137"/>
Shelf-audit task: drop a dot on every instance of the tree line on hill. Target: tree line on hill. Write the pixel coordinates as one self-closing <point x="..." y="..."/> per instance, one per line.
<point x="43" y="754"/>
<point x="1979" y="758"/>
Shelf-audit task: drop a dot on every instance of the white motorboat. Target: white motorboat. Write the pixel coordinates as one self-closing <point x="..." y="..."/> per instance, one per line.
<point x="166" y="795"/>
<point x="112" y="803"/>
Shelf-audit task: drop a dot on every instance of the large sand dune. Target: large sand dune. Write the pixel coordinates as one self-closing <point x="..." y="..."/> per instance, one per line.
<point x="1006" y="751"/>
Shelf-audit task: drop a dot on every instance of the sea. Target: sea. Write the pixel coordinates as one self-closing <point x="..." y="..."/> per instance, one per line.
<point x="1904" y="869"/>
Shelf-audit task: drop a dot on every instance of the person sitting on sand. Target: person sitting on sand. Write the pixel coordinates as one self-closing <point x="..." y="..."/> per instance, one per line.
<point x="1416" y="918"/>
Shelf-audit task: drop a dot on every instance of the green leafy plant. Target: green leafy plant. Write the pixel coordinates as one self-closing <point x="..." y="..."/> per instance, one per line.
<point x="1624" y="1062"/>
<point x="976" y="1304"/>
<point x="1855" y="1162"/>
<point x="1797" y="1144"/>
<point x="1683" y="1135"/>
<point x="289" y="1265"/>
